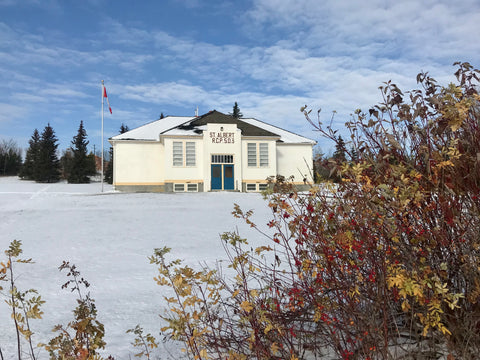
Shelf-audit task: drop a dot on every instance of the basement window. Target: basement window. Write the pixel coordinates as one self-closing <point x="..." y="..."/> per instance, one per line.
<point x="179" y="187"/>
<point x="262" y="187"/>
<point x="192" y="187"/>
<point x="251" y="187"/>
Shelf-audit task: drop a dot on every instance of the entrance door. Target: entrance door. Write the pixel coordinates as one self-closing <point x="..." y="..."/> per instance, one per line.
<point x="216" y="177"/>
<point x="222" y="177"/>
<point x="228" y="183"/>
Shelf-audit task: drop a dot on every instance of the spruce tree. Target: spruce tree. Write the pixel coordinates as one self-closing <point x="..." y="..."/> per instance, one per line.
<point x="236" y="111"/>
<point x="80" y="166"/>
<point x="66" y="163"/>
<point x="108" y="176"/>
<point x="31" y="158"/>
<point x="47" y="168"/>
<point x="340" y="154"/>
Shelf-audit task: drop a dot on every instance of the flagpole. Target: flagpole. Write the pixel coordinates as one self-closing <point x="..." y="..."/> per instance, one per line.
<point x="103" y="91"/>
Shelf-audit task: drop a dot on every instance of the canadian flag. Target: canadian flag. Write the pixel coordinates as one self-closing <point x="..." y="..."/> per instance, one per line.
<point x="105" y="96"/>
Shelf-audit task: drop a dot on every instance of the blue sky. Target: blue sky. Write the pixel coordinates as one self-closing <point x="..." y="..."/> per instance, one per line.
<point x="170" y="56"/>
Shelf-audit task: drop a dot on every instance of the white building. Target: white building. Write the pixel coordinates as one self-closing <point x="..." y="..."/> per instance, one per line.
<point x="208" y="153"/>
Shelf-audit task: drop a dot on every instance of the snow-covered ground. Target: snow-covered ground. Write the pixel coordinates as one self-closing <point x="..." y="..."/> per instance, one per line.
<point x="109" y="236"/>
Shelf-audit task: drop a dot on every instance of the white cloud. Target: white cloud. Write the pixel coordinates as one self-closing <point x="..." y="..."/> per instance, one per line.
<point x="170" y="93"/>
<point x="346" y="27"/>
<point x="10" y="112"/>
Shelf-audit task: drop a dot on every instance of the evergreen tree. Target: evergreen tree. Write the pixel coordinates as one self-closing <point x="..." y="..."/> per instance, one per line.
<point x="66" y="163"/>
<point x="47" y="166"/>
<point x="80" y="167"/>
<point x="108" y="177"/>
<point x="340" y="154"/>
<point x="236" y="111"/>
<point x="354" y="155"/>
<point x="91" y="164"/>
<point x="28" y="170"/>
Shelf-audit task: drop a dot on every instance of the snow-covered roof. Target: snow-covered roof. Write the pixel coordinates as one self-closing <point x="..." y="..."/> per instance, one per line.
<point x="287" y="137"/>
<point x="152" y="131"/>
<point x="194" y="126"/>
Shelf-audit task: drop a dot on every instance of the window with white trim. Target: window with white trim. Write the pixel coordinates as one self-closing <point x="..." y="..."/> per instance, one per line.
<point x="184" y="153"/>
<point x="256" y="187"/>
<point x="190" y="153"/>
<point x="177" y="153"/>
<point x="192" y="187"/>
<point x="252" y="154"/>
<point x="263" y="150"/>
<point x="182" y="188"/>
<point x="257" y="154"/>
<point x="222" y="159"/>
<point x="251" y="187"/>
<point x="179" y="187"/>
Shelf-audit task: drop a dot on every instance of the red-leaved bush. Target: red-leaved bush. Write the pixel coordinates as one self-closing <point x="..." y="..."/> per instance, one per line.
<point x="383" y="265"/>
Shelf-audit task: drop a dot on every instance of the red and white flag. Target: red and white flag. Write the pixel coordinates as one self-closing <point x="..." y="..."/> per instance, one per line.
<point x="105" y="96"/>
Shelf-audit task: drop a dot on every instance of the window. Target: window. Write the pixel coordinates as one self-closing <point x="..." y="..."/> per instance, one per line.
<point x="257" y="148"/>
<point x="263" y="147"/>
<point x="189" y="187"/>
<point x="177" y="153"/>
<point x="178" y="187"/>
<point x="192" y="187"/>
<point x="179" y="149"/>
<point x="252" y="154"/>
<point x="190" y="153"/>
<point x="222" y="159"/>
<point x="251" y="187"/>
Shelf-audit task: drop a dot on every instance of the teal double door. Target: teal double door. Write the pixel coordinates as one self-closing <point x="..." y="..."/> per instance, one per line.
<point x="222" y="177"/>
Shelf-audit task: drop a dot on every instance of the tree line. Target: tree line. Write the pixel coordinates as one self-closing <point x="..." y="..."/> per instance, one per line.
<point x="42" y="163"/>
<point x="10" y="157"/>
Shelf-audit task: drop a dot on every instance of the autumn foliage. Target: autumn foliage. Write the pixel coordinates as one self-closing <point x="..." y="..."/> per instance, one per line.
<point x="383" y="265"/>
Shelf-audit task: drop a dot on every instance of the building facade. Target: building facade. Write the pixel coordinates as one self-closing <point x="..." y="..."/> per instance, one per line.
<point x="212" y="152"/>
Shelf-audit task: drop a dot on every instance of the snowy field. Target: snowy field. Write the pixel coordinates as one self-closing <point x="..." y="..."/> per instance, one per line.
<point x="109" y="236"/>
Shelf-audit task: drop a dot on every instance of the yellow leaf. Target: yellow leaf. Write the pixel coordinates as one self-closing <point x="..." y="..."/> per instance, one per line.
<point x="274" y="348"/>
<point x="203" y="354"/>
<point x="178" y="281"/>
<point x="246" y="306"/>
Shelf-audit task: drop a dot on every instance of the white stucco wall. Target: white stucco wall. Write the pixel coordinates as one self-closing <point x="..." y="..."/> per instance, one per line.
<point x="137" y="162"/>
<point x="296" y="160"/>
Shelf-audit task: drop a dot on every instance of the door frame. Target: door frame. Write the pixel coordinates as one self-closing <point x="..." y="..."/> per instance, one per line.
<point x="220" y="182"/>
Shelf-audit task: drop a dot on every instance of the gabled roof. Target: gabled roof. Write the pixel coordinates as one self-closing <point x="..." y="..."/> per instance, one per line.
<point x="216" y="117"/>
<point x="152" y="131"/>
<point x="194" y="126"/>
